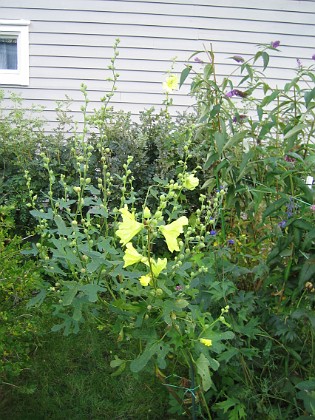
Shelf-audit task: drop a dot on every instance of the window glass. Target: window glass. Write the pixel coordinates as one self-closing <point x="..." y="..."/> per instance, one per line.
<point x="8" y="53"/>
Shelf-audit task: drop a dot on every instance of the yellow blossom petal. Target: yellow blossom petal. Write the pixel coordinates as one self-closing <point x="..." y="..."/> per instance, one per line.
<point x="129" y="227"/>
<point x="145" y="280"/>
<point x="190" y="182"/>
<point x="132" y="256"/>
<point x="206" y="341"/>
<point x="157" y="266"/>
<point x="172" y="231"/>
<point x="171" y="83"/>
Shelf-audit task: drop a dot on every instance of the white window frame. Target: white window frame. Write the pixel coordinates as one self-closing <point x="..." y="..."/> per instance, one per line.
<point x="17" y="29"/>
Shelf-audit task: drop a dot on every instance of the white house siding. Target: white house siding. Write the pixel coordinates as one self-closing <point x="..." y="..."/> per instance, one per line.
<point x="71" y="42"/>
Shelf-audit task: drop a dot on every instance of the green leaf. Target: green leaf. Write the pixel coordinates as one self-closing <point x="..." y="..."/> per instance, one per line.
<point x="184" y="74"/>
<point x="246" y="158"/>
<point x="265" y="57"/>
<point x="38" y="299"/>
<point x="295" y="130"/>
<point x="274" y="207"/>
<point x="120" y="369"/>
<point x="140" y="362"/>
<point x="202" y="364"/>
<point x="269" y="98"/>
<point x="42" y="215"/>
<point x="211" y="158"/>
<point x="70" y="294"/>
<point x="308" y="240"/>
<point x="307" y="272"/>
<point x="235" y="139"/>
<point x="116" y="362"/>
<point x="91" y="290"/>
<point x="220" y="140"/>
<point x="308" y="96"/>
<point x="61" y="226"/>
<point x="181" y="303"/>
<point x="306" y="385"/>
<point x="77" y="313"/>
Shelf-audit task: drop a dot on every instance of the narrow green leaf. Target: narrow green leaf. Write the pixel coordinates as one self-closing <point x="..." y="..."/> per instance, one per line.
<point x="184" y="74"/>
<point x="265" y="57"/>
<point x="220" y="140"/>
<point x="246" y="158"/>
<point x="295" y="130"/>
<point x="309" y="96"/>
<point x="211" y="158"/>
<point x="269" y="98"/>
<point x="274" y="207"/>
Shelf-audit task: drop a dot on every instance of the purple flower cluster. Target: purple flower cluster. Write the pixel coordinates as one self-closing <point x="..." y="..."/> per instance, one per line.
<point x="236" y="92"/>
<point x="213" y="232"/>
<point x="275" y="44"/>
<point x="179" y="287"/>
<point x="282" y="224"/>
<point x="290" y="208"/>
<point x="231" y="242"/>
<point x="197" y="60"/>
<point x="239" y="118"/>
<point x="289" y="159"/>
<point x="312" y="207"/>
<point x="313" y="57"/>
<point x="238" y="58"/>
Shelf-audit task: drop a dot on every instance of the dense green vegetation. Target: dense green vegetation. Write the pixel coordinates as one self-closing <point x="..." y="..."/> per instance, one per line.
<point x="163" y="268"/>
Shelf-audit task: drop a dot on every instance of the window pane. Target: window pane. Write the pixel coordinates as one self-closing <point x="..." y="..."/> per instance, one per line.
<point x="8" y="53"/>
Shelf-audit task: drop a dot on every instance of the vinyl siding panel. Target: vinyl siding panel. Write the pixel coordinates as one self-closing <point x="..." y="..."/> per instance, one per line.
<point x="71" y="42"/>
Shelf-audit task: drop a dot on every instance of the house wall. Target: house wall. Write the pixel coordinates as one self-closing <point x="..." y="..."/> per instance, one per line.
<point x="71" y="42"/>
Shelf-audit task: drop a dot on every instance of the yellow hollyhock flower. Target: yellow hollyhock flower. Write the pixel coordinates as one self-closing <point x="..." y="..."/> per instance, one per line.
<point x="145" y="280"/>
<point x="206" y="341"/>
<point x="172" y="231"/>
<point x="129" y="227"/>
<point x="132" y="256"/>
<point x="171" y="83"/>
<point x="190" y="182"/>
<point x="157" y="266"/>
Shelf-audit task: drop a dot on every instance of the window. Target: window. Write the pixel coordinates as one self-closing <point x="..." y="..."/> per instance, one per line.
<point x="14" y="52"/>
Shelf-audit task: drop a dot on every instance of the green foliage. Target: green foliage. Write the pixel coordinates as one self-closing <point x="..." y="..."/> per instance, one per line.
<point x="20" y="328"/>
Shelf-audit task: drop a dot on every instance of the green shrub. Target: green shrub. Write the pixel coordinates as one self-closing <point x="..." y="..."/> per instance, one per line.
<point x="200" y="244"/>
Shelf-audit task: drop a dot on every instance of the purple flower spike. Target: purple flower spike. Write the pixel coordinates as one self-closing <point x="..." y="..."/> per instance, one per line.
<point x="197" y="60"/>
<point x="236" y="92"/>
<point x="239" y="118"/>
<point x="230" y="94"/>
<point x="299" y="63"/>
<point x="313" y="57"/>
<point x="275" y="44"/>
<point x="238" y="58"/>
<point x="282" y="224"/>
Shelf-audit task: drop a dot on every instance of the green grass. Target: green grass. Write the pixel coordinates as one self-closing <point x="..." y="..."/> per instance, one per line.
<point x="70" y="378"/>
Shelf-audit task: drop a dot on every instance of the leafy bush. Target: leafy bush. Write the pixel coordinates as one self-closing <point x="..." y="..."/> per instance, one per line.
<point x="197" y="237"/>
<point x="20" y="328"/>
